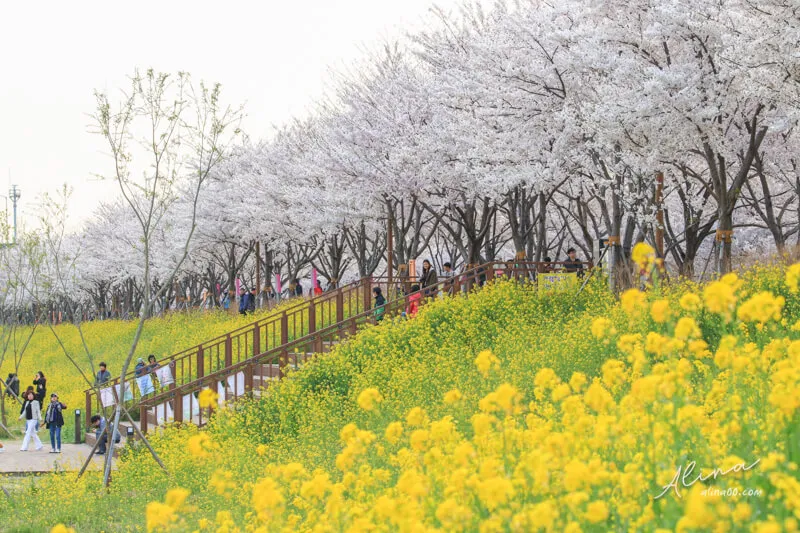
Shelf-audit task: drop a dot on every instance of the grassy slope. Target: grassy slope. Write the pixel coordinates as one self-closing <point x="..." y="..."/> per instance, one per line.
<point x="412" y="362"/>
<point x="110" y="341"/>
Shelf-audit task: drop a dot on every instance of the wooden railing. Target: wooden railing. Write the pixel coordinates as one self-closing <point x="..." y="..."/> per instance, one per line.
<point x="297" y="320"/>
<point x="286" y="342"/>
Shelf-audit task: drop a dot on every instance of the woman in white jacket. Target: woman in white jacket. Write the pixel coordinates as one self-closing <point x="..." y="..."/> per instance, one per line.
<point x="32" y="414"/>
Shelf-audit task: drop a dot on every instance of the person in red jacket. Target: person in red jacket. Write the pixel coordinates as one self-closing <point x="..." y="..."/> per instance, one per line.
<point x="413" y="302"/>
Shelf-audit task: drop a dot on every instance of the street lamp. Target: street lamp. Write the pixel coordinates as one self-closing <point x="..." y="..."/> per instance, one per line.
<point x="15" y="195"/>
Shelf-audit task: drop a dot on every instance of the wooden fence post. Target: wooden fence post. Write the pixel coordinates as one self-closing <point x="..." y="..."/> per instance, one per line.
<point x="284" y="356"/>
<point x="143" y="418"/>
<point x="339" y="305"/>
<point x="201" y="363"/>
<point x="367" y="291"/>
<point x="177" y="408"/>
<point x="88" y="406"/>
<point x="248" y="378"/>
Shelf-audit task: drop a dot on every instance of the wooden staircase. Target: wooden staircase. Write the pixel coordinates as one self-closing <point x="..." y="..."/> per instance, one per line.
<point x="245" y="362"/>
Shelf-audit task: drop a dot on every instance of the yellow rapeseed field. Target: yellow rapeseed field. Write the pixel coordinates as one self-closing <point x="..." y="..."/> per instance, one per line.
<point x="672" y="409"/>
<point x="108" y="341"/>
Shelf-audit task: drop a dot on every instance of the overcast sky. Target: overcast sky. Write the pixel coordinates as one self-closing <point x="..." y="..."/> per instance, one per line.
<point x="272" y="56"/>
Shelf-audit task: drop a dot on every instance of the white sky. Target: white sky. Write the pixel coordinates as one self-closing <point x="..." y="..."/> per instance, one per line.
<point x="273" y="56"/>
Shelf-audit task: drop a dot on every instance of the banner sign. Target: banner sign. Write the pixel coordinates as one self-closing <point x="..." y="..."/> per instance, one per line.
<point x="557" y="281"/>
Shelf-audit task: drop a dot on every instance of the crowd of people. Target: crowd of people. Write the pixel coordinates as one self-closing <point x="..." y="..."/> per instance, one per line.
<point x="429" y="283"/>
<point x="36" y="416"/>
<point x="249" y="299"/>
<point x="33" y="413"/>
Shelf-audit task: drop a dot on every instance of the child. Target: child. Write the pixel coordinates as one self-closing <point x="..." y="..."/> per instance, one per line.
<point x="413" y="302"/>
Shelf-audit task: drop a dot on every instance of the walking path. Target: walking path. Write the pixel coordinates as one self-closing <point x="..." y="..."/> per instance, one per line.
<point x="71" y="458"/>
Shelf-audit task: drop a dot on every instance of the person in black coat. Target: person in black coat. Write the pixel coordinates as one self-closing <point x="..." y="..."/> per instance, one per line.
<point x="380" y="303"/>
<point x="244" y="301"/>
<point x="428" y="278"/>
<point x="251" y="302"/>
<point x="54" y="421"/>
<point x="12" y="385"/>
<point x="41" y="387"/>
<point x="573" y="264"/>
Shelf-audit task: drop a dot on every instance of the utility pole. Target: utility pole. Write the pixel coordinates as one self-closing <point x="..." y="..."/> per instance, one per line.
<point x="15" y="194"/>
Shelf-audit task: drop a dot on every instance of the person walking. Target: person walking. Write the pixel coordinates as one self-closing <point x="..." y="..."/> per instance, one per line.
<point x="226" y="300"/>
<point x="244" y="298"/>
<point x="152" y="364"/>
<point x="380" y="302"/>
<point x="413" y="302"/>
<point x="448" y="274"/>
<point x="428" y="278"/>
<point x="54" y="421"/>
<point x="573" y="264"/>
<point x="140" y="369"/>
<point x="12" y="386"/>
<point x="41" y="387"/>
<point x="103" y="376"/>
<point x="31" y="414"/>
<point x="251" y="302"/>
<point x="298" y="289"/>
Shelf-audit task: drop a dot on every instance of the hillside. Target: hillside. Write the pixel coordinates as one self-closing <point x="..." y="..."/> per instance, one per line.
<point x="109" y="341"/>
<point x="503" y="411"/>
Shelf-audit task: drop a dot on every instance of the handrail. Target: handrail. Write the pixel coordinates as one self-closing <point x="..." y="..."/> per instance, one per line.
<point x="466" y="280"/>
<point x="285" y="316"/>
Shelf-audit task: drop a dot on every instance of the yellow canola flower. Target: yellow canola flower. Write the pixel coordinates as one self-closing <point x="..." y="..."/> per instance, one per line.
<point x="207" y="398"/>
<point x="597" y="512"/>
<point x="793" y="278"/>
<point x="720" y="298"/>
<point x="419" y="440"/>
<point x="61" y="528"/>
<point x="224" y="520"/>
<point x="176" y="498"/>
<point x="643" y="255"/>
<point x="199" y="445"/>
<point x="578" y="381"/>
<point x="393" y="432"/>
<point x="486" y="361"/>
<point x="369" y="398"/>
<point x="602" y="328"/>
<point x="452" y="515"/>
<point x="416" y="417"/>
<point x="632" y="301"/>
<point x="686" y="329"/>
<point x="659" y="311"/>
<point x="506" y="398"/>
<point x="761" y="308"/>
<point x="158" y="516"/>
<point x="452" y="396"/>
<point x="690" y="302"/>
